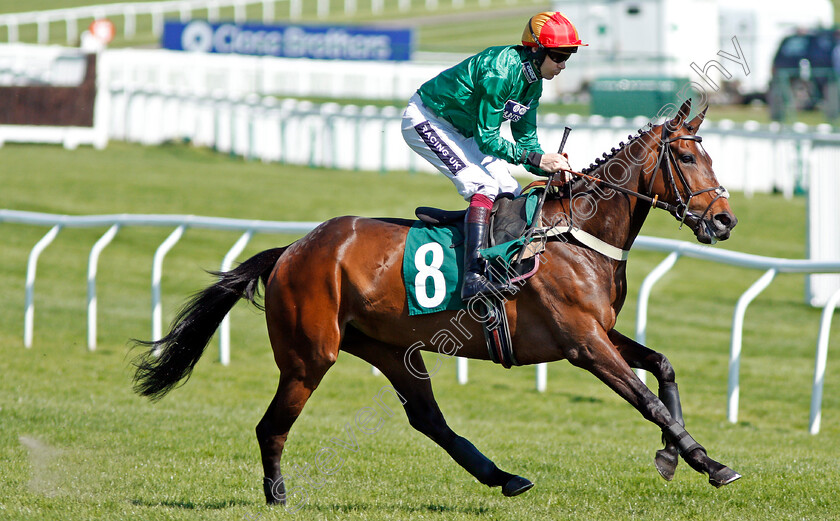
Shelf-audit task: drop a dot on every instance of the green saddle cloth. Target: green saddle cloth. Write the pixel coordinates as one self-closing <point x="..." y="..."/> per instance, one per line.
<point x="433" y="267"/>
<point x="433" y="262"/>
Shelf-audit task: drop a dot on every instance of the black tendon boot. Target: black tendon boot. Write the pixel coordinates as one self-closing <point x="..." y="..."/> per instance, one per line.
<point x="475" y="230"/>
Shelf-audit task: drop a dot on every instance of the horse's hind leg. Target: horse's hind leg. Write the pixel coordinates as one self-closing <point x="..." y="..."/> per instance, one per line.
<point x="292" y="393"/>
<point x="600" y="357"/>
<point x="424" y="414"/>
<point x="638" y="356"/>
<point x="304" y="350"/>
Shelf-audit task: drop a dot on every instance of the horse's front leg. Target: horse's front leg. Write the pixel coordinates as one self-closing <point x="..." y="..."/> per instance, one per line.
<point x="600" y="356"/>
<point x="638" y="356"/>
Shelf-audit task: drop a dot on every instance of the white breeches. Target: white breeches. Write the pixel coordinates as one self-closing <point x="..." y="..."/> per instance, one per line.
<point x="457" y="157"/>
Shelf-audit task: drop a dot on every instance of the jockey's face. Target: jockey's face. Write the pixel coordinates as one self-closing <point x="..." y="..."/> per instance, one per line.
<point x="550" y="68"/>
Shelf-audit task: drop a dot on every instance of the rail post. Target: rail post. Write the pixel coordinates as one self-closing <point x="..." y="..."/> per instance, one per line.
<point x="644" y="296"/>
<point x="93" y="261"/>
<point x="31" y="267"/>
<point x="224" y="329"/>
<point x="157" y="269"/>
<point x="820" y="361"/>
<point x="734" y="390"/>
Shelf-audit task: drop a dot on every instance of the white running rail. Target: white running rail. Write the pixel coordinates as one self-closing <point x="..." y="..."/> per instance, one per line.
<point x="675" y="249"/>
<point x="117" y="222"/>
<point x="184" y="9"/>
<point x="772" y="266"/>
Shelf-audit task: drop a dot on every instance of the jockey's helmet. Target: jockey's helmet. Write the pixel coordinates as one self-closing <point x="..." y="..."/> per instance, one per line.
<point x="551" y="31"/>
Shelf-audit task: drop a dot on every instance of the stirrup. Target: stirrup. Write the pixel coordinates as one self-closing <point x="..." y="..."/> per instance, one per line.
<point x="481" y="286"/>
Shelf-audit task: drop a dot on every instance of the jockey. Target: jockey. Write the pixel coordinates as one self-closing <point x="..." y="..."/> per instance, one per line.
<point x="454" y="120"/>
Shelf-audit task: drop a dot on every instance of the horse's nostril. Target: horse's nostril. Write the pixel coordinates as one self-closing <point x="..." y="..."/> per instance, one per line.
<point x="725" y="220"/>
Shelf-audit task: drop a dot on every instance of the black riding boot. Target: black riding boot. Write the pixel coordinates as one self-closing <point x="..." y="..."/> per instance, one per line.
<point x="475" y="230"/>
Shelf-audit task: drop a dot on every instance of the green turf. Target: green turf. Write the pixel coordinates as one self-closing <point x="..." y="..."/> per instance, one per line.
<point x="76" y="444"/>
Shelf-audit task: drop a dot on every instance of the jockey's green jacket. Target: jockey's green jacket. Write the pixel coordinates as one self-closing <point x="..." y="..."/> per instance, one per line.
<point x="479" y="93"/>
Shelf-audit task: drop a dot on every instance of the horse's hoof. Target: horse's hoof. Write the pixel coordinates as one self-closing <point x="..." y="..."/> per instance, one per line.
<point x="516" y="485"/>
<point x="666" y="463"/>
<point x="723" y="477"/>
<point x="273" y="502"/>
<point x="275" y="491"/>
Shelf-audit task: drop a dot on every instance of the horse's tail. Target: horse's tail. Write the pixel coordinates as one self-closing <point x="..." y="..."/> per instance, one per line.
<point x="172" y="358"/>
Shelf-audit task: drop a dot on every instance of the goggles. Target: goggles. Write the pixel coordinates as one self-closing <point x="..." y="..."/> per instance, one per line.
<point x="557" y="56"/>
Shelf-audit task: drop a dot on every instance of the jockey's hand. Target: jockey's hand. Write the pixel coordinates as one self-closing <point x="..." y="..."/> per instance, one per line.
<point x="552" y="162"/>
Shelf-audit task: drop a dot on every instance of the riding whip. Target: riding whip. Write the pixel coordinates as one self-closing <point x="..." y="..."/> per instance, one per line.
<point x="530" y="231"/>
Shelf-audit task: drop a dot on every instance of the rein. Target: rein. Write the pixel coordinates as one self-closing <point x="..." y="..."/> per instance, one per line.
<point x="665" y="161"/>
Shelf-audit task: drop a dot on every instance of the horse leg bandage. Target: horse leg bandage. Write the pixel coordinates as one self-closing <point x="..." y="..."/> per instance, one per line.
<point x="670" y="396"/>
<point x="685" y="443"/>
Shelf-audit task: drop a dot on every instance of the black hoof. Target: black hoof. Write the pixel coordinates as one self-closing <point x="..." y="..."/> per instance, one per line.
<point x="516" y="485"/>
<point x="723" y="477"/>
<point x="666" y="463"/>
<point x="275" y="491"/>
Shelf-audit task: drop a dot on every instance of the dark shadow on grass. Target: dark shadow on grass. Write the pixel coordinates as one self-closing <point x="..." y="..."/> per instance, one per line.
<point x="572" y="398"/>
<point x="473" y="510"/>
<point x="368" y="507"/>
<point x="190" y="505"/>
<point x="584" y="399"/>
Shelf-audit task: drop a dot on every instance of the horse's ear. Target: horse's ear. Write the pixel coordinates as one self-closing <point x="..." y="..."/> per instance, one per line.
<point x="681" y="116"/>
<point x="698" y="119"/>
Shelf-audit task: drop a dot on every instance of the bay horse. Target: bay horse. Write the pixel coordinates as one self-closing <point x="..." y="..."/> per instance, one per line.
<point x="340" y="288"/>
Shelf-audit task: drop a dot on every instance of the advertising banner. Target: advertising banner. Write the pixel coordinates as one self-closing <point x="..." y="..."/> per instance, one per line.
<point x="290" y="41"/>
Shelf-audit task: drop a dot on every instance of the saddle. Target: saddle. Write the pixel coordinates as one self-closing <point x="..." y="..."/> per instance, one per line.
<point x="509" y="221"/>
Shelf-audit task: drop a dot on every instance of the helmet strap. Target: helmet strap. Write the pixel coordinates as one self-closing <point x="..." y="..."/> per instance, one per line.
<point x="534" y="35"/>
<point x="540" y="53"/>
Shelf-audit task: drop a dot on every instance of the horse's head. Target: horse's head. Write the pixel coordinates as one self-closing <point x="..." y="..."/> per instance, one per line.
<point x="683" y="177"/>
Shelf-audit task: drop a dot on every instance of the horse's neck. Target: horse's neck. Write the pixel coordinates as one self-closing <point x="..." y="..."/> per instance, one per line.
<point x="617" y="218"/>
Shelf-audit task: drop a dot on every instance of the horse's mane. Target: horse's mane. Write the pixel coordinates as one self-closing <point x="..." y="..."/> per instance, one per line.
<point x="597" y="164"/>
<point x="605" y="157"/>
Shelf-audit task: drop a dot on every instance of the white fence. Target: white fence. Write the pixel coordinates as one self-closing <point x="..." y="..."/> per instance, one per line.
<point x="156" y="11"/>
<point x="186" y="9"/>
<point x="158" y="96"/>
<point x="675" y="249"/>
<point x="236" y="75"/>
<point x="227" y="102"/>
<point x="748" y="157"/>
<point x="115" y="223"/>
<point x="772" y="267"/>
<point x="823" y="217"/>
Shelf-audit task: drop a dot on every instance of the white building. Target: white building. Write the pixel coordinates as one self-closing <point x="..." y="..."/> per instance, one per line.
<point x="664" y="37"/>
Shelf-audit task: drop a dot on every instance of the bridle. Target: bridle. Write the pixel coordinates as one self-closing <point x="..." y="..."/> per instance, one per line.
<point x="666" y="160"/>
<point x="668" y="164"/>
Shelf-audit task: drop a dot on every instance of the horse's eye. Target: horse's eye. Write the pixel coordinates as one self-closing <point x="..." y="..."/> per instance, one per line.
<point x="687" y="158"/>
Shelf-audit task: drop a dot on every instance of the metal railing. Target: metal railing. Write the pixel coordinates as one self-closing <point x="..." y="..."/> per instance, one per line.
<point x="675" y="249"/>
<point x="117" y="222"/>
<point x="771" y="267"/>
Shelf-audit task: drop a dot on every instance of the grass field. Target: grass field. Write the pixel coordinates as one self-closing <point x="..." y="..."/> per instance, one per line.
<point x="76" y="444"/>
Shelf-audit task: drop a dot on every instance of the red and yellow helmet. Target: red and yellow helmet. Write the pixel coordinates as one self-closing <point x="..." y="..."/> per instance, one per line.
<point x="549" y="30"/>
